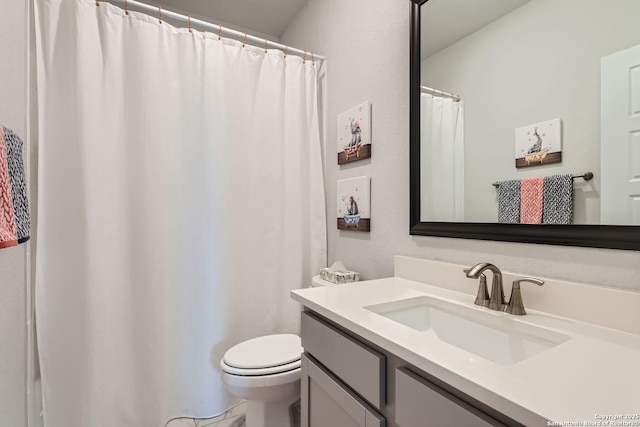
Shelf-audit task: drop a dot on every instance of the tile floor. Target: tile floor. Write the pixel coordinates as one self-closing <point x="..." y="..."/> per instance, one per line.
<point x="232" y="418"/>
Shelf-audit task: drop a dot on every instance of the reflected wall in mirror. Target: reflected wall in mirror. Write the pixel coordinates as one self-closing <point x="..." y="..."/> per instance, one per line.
<point x="483" y="68"/>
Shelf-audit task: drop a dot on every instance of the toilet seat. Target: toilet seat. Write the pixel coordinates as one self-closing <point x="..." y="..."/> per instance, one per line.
<point x="260" y="371"/>
<point x="266" y="355"/>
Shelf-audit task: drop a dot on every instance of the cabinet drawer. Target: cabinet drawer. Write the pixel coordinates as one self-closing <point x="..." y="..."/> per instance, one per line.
<point x="361" y="367"/>
<point x="422" y="403"/>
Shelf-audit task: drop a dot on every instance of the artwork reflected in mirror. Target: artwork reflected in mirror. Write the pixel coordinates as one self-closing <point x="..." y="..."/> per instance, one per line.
<point x="532" y="96"/>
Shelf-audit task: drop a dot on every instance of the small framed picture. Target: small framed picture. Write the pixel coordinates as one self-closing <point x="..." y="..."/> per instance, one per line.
<point x="539" y="144"/>
<point x="354" y="204"/>
<point x="354" y="134"/>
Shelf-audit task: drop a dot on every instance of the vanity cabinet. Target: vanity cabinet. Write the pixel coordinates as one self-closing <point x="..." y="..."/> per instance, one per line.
<point x="327" y="401"/>
<point x="343" y="380"/>
<point x="420" y="402"/>
<point x="355" y="363"/>
<point x="347" y="381"/>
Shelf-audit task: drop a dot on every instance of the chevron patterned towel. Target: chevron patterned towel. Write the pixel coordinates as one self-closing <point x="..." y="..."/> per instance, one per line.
<point x="8" y="232"/>
<point x="558" y="199"/>
<point x="531" y="190"/>
<point x="509" y="202"/>
<point x="18" y="184"/>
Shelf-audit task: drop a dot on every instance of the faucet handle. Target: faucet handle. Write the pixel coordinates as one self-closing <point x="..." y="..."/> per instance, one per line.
<point x="482" y="297"/>
<point x="533" y="280"/>
<point x="516" y="306"/>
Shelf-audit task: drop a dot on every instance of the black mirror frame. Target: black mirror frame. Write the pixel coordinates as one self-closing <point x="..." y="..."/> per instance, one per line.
<point x="596" y="236"/>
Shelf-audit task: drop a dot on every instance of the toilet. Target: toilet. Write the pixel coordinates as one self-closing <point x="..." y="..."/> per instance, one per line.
<point x="265" y="371"/>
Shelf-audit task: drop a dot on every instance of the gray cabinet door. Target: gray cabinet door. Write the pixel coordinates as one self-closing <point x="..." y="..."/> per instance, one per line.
<point x="421" y="403"/>
<point x="326" y="402"/>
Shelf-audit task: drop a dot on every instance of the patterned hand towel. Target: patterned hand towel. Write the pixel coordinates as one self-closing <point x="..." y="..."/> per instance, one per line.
<point x="558" y="199"/>
<point x="531" y="190"/>
<point x="509" y="202"/>
<point x="18" y="185"/>
<point x="8" y="232"/>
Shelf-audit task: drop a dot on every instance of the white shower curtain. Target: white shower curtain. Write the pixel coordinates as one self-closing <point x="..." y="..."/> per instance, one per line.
<point x="441" y="159"/>
<point x="180" y="200"/>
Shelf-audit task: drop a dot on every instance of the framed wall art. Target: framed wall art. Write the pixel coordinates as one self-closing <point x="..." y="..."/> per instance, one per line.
<point x="539" y="144"/>
<point x="354" y="134"/>
<point x="354" y="204"/>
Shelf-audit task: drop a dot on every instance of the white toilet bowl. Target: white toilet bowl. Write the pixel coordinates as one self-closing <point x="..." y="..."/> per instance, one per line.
<point x="265" y="371"/>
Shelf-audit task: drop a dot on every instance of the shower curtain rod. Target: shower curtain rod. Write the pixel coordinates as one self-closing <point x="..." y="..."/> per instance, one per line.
<point x="433" y="91"/>
<point x="215" y="28"/>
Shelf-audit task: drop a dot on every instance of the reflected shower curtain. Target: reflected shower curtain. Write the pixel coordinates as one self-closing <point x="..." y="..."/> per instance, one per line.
<point x="441" y="159"/>
<point x="180" y="200"/>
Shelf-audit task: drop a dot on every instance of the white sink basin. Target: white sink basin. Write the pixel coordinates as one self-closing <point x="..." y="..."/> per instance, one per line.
<point x="493" y="336"/>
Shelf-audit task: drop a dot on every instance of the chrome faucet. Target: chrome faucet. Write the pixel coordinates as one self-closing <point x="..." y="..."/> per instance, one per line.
<point x="515" y="302"/>
<point x="482" y="297"/>
<point x="496" y="299"/>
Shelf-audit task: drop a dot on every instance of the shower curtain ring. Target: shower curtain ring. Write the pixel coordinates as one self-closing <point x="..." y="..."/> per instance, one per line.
<point x="286" y="50"/>
<point x="219" y="31"/>
<point x="265" y="46"/>
<point x="190" y="27"/>
<point x="313" y="60"/>
<point x="98" y="3"/>
<point x="244" y="40"/>
<point x="304" y="58"/>
<point x="126" y="7"/>
<point x="160" y="14"/>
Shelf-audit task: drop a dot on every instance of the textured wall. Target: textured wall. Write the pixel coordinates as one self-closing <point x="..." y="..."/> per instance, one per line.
<point x="367" y="46"/>
<point x="13" y="287"/>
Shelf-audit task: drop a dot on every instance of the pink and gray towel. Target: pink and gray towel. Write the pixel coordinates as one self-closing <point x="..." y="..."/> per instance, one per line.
<point x="531" y="190"/>
<point x="14" y="203"/>
<point x="546" y="200"/>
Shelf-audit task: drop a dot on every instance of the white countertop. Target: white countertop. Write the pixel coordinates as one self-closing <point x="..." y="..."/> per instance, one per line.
<point x="593" y="375"/>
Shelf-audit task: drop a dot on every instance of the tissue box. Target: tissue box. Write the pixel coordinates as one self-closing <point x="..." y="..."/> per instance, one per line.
<point x="338" y="277"/>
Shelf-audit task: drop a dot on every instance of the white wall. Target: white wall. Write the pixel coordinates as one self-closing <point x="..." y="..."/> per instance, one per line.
<point x="367" y="46"/>
<point x="537" y="63"/>
<point x="13" y="282"/>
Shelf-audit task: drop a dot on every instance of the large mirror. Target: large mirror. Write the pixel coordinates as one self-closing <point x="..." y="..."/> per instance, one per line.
<point x="525" y="121"/>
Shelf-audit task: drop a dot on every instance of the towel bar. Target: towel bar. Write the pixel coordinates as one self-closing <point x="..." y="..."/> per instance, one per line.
<point x="587" y="176"/>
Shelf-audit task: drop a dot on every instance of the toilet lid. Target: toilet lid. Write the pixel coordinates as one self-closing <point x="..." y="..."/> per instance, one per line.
<point x="264" y="352"/>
